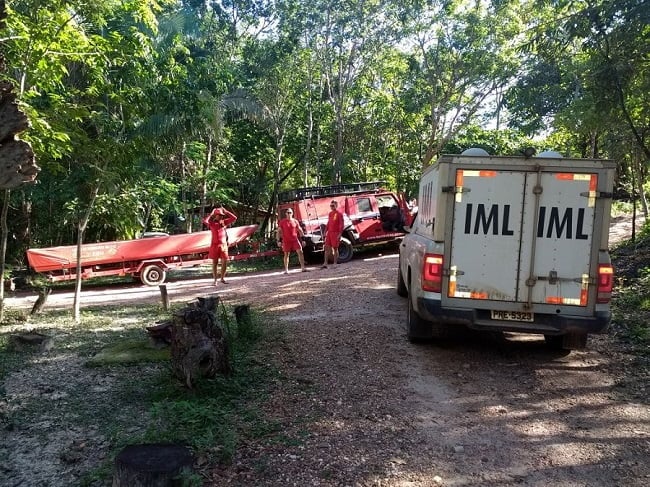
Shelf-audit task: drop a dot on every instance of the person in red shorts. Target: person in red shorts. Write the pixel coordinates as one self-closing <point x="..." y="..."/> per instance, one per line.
<point x="290" y="233"/>
<point x="333" y="232"/>
<point x="217" y="222"/>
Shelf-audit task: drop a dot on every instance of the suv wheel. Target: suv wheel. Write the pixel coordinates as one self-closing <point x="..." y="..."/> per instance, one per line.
<point x="345" y="250"/>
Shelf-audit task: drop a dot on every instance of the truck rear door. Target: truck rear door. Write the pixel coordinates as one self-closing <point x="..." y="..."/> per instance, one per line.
<point x="521" y="237"/>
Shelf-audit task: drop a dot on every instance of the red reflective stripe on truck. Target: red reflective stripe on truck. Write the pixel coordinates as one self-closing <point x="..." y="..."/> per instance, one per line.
<point x="564" y="176"/>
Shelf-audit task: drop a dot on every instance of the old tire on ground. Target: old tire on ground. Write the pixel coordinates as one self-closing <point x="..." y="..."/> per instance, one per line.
<point x="152" y="275"/>
<point x="345" y="251"/>
<point x="401" y="285"/>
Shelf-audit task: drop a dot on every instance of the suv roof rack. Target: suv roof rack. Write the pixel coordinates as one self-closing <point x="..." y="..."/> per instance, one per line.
<point x="334" y="190"/>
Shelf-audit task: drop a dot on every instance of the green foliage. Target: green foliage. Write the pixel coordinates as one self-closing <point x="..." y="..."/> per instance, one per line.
<point x="169" y="107"/>
<point x="631" y="303"/>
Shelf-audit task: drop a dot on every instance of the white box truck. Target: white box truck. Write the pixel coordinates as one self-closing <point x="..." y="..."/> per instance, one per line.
<point x="517" y="244"/>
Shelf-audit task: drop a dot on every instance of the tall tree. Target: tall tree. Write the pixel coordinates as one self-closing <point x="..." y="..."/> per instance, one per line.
<point x="463" y="55"/>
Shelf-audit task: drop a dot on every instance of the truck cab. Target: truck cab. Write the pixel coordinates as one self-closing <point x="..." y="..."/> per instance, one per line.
<point x="371" y="214"/>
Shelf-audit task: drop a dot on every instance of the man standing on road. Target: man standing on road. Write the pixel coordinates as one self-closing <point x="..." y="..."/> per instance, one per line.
<point x="217" y="222"/>
<point x="290" y="233"/>
<point x="333" y="232"/>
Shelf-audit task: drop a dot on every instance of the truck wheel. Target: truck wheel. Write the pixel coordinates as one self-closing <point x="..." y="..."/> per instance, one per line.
<point x="570" y="341"/>
<point x="401" y="285"/>
<point x="152" y="275"/>
<point x="345" y="251"/>
<point x="417" y="329"/>
<point x="312" y="257"/>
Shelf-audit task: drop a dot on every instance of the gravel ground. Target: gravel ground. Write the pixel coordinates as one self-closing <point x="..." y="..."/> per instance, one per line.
<point x="374" y="410"/>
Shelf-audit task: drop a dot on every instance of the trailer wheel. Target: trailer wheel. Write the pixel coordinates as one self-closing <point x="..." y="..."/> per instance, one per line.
<point x="345" y="251"/>
<point x="152" y="275"/>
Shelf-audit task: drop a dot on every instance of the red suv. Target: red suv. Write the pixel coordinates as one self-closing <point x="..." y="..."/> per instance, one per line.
<point x="371" y="215"/>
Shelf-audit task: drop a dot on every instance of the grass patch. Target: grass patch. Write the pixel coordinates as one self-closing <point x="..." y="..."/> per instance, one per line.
<point x="631" y="297"/>
<point x="129" y="352"/>
<point x="133" y="397"/>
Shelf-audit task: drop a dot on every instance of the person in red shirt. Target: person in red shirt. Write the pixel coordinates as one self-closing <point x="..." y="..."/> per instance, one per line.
<point x="217" y="222"/>
<point x="290" y="233"/>
<point x="333" y="232"/>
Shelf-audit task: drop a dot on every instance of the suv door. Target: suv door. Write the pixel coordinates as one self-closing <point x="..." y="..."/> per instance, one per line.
<point x="365" y="216"/>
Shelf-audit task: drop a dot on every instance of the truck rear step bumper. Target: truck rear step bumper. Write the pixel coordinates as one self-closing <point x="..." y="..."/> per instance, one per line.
<point x="548" y="324"/>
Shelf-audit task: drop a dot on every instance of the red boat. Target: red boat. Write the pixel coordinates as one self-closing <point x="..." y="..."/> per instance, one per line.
<point x="147" y="259"/>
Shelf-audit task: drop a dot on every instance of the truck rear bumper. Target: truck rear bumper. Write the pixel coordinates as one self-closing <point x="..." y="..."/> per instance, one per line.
<point x="547" y="324"/>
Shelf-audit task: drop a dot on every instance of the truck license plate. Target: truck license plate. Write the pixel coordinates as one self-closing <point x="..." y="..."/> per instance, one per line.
<point x="512" y="315"/>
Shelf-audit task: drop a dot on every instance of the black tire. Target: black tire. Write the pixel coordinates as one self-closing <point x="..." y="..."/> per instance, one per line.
<point x="152" y="275"/>
<point x="312" y="257"/>
<point x="570" y="341"/>
<point x="345" y="251"/>
<point x="417" y="329"/>
<point x="401" y="285"/>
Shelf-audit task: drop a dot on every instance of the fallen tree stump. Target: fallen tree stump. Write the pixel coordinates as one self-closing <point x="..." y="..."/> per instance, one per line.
<point x="161" y="332"/>
<point x="199" y="344"/>
<point x="31" y="340"/>
<point x="152" y="465"/>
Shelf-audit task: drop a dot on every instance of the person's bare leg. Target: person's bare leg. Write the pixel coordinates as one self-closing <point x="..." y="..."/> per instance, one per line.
<point x="214" y="271"/>
<point x="335" y="256"/>
<point x="326" y="251"/>
<point x="301" y="259"/>
<point x="286" y="262"/>
<point x="224" y="265"/>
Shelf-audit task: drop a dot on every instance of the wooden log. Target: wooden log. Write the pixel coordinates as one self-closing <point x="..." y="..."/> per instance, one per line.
<point x="31" y="340"/>
<point x="152" y="465"/>
<point x="161" y="332"/>
<point x="243" y="314"/>
<point x="40" y="302"/>
<point x="164" y="296"/>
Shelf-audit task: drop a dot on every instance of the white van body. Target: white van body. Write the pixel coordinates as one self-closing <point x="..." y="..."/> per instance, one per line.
<point x="512" y="244"/>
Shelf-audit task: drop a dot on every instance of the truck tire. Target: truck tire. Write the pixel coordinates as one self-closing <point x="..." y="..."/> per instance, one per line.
<point x="152" y="275"/>
<point x="345" y="251"/>
<point x="570" y="341"/>
<point x="312" y="257"/>
<point x="417" y="329"/>
<point x="401" y="285"/>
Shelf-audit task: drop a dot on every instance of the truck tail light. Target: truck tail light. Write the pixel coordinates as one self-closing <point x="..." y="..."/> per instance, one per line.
<point x="432" y="273"/>
<point x="605" y="283"/>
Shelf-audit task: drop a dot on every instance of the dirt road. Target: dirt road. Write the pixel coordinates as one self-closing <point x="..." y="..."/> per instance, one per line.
<point x="367" y="408"/>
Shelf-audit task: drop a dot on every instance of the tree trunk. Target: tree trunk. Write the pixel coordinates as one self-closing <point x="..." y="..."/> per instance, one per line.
<point x="81" y="228"/>
<point x="199" y="347"/>
<point x="17" y="163"/>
